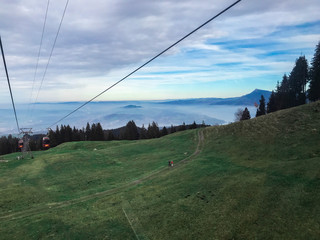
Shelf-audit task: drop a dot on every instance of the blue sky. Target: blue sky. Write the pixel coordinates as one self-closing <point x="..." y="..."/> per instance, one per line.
<point x="250" y="46"/>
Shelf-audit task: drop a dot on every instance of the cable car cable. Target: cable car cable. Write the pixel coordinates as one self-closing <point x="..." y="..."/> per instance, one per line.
<point x="38" y="58"/>
<point x="5" y="67"/>
<point x="54" y="44"/>
<point x="137" y="69"/>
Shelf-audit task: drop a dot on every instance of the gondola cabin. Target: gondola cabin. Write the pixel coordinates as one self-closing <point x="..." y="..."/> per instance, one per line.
<point x="20" y="144"/>
<point x="45" y="142"/>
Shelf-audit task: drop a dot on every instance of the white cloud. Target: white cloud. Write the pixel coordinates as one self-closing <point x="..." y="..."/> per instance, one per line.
<point x="101" y="42"/>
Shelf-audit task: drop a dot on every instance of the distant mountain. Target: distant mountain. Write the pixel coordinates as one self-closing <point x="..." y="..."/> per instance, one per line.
<point x="248" y="99"/>
<point x="132" y="106"/>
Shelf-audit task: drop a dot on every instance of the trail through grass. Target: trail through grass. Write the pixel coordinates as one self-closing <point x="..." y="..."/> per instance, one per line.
<point x="121" y="185"/>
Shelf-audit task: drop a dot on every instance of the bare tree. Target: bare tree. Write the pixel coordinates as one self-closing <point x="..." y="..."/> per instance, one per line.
<point x="238" y="115"/>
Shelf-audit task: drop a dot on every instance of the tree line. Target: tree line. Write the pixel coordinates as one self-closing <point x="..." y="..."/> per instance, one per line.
<point x="297" y="88"/>
<point x="292" y="90"/>
<point x="9" y="144"/>
<point x="93" y="132"/>
<point x="65" y="133"/>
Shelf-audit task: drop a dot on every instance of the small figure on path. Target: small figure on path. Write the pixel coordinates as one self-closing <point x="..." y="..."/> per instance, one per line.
<point x="171" y="163"/>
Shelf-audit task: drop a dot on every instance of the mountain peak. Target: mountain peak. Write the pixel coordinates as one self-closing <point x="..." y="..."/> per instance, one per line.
<point x="258" y="90"/>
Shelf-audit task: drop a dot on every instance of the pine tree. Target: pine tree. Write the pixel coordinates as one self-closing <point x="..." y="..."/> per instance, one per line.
<point x="172" y="129"/>
<point x="272" y="106"/>
<point x="143" y="132"/>
<point x="93" y="132"/>
<point x="53" y="138"/>
<point x="298" y="80"/>
<point x="110" y="135"/>
<point x="62" y="133"/>
<point x="262" y="107"/>
<point x="99" y="133"/>
<point x="68" y="133"/>
<point x="283" y="96"/>
<point x="164" y="131"/>
<point x="58" y="136"/>
<point x="82" y="134"/>
<point x="75" y="134"/>
<point x="88" y="132"/>
<point x="245" y="115"/>
<point x="314" y="86"/>
<point x="131" y="131"/>
<point x="153" y="131"/>
<point x="193" y="125"/>
<point x="182" y="127"/>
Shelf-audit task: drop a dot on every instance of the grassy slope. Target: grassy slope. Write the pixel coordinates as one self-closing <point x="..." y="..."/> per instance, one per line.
<point x="257" y="179"/>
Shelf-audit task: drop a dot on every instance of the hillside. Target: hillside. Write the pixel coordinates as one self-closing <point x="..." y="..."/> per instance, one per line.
<point x="257" y="179"/>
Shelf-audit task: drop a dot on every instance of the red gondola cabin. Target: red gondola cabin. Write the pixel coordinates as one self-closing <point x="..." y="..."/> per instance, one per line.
<point x="45" y="142"/>
<point x="20" y="144"/>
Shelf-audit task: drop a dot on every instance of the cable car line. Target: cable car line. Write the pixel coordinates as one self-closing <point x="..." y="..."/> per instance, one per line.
<point x="5" y="67"/>
<point x="53" y="46"/>
<point x="38" y="58"/>
<point x="143" y="65"/>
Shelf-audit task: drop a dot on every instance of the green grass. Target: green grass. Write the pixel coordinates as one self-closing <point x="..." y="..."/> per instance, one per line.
<point x="257" y="179"/>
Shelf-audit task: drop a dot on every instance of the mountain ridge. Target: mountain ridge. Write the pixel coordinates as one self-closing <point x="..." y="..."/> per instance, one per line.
<point x="247" y="99"/>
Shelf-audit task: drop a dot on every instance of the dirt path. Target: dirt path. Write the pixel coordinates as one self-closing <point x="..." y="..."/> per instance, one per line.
<point x="55" y="205"/>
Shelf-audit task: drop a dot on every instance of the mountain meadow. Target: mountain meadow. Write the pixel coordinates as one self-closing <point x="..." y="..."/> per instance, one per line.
<point x="253" y="179"/>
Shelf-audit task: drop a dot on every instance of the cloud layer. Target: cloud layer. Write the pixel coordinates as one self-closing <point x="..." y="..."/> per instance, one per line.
<point x="248" y="47"/>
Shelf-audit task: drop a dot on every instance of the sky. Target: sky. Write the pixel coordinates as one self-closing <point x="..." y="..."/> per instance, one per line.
<point x="249" y="47"/>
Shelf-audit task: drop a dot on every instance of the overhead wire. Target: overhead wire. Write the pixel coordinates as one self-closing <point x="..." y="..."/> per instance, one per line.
<point x="146" y="63"/>
<point x="53" y="46"/>
<point x="38" y="58"/>
<point x="6" y="70"/>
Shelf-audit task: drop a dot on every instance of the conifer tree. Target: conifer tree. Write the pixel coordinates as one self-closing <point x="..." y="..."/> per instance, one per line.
<point x="58" y="136"/>
<point x="131" y="131"/>
<point x="153" y="130"/>
<point x="110" y="135"/>
<point x="314" y="86"/>
<point x="82" y="134"/>
<point x="193" y="125"/>
<point x="164" y="131"/>
<point x="262" y="107"/>
<point x="283" y="96"/>
<point x="53" y="138"/>
<point x="68" y="134"/>
<point x="272" y="106"/>
<point x="182" y="127"/>
<point x="62" y="133"/>
<point x="93" y="132"/>
<point x="75" y="134"/>
<point x="297" y="81"/>
<point x="88" y="132"/>
<point x="99" y="133"/>
<point x="143" y="132"/>
<point x="172" y="129"/>
<point x="245" y="115"/>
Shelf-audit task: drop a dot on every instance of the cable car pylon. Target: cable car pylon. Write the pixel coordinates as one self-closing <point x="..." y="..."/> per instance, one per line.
<point x="24" y="142"/>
